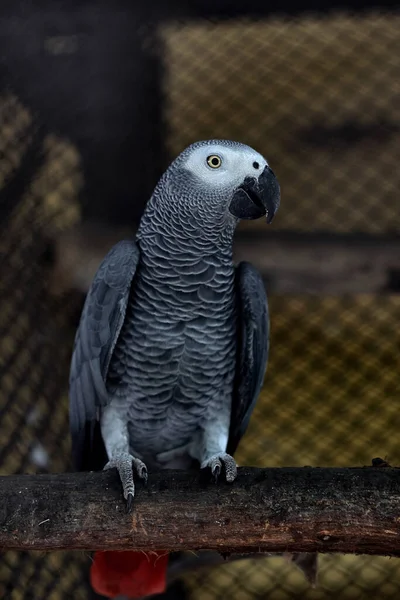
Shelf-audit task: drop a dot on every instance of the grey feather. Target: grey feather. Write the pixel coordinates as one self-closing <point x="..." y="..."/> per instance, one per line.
<point x="253" y="347"/>
<point x="101" y="321"/>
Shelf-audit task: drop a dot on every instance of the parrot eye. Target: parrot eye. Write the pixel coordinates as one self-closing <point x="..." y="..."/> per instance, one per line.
<point x="214" y="161"/>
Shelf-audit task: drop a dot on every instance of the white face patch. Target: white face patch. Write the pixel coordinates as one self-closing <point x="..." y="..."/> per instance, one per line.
<point x="223" y="167"/>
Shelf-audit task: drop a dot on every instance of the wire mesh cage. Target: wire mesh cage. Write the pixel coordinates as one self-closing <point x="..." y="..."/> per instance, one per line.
<point x="319" y="96"/>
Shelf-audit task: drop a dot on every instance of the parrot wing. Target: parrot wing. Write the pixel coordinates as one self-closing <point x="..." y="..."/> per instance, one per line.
<point x="253" y="347"/>
<point x="101" y="321"/>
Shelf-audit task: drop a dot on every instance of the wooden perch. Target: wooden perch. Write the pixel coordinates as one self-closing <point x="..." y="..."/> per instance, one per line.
<point x="265" y="510"/>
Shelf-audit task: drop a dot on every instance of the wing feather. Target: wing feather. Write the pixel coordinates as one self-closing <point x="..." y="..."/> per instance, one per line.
<point x="253" y="347"/>
<point x="102" y="317"/>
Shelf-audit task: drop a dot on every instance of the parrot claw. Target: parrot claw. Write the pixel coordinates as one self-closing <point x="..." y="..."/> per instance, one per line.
<point x="215" y="464"/>
<point x="141" y="469"/>
<point x="129" y="502"/>
<point x="216" y="471"/>
<point x="126" y="464"/>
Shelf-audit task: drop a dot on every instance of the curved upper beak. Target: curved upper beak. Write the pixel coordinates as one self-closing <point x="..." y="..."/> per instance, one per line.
<point x="256" y="197"/>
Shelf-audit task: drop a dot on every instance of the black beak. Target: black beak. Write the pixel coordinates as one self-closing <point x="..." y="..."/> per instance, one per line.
<point x="257" y="197"/>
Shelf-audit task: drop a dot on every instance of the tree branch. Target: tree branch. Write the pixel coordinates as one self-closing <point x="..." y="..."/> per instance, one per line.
<point x="265" y="510"/>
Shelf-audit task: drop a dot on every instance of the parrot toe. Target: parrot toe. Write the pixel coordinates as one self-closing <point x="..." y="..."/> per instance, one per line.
<point x="215" y="464"/>
<point x="125" y="465"/>
<point x="140" y="469"/>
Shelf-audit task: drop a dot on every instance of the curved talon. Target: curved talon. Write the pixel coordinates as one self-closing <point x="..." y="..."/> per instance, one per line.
<point x="216" y="470"/>
<point x="140" y="468"/>
<point x="129" y="502"/>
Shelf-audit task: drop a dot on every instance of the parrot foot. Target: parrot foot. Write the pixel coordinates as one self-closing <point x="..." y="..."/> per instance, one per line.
<point x="126" y="464"/>
<point x="215" y="463"/>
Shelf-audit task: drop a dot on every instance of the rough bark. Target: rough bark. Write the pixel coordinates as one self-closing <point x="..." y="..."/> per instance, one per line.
<point x="265" y="510"/>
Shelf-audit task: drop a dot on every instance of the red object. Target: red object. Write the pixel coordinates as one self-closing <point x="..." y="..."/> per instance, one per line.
<point x="127" y="573"/>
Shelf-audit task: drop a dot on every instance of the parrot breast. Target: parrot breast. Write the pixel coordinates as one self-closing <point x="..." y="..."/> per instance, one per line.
<point x="175" y="360"/>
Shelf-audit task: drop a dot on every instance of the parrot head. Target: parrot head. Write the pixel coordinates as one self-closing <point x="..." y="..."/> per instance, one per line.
<point x="220" y="177"/>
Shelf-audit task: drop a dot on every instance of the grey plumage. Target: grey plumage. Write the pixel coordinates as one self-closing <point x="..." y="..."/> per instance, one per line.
<point x="253" y="344"/>
<point x="171" y="350"/>
<point x="101" y="321"/>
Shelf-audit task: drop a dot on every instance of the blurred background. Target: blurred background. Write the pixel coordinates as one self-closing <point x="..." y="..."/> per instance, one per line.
<point x="96" y="98"/>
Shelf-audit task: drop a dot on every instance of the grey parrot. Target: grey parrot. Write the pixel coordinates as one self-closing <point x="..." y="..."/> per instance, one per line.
<point x="172" y="346"/>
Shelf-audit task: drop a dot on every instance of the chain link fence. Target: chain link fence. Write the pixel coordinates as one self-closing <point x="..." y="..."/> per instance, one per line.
<point x="319" y="96"/>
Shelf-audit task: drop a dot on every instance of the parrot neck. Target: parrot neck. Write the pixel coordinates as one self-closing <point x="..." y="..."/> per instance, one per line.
<point x="177" y="254"/>
<point x="163" y="246"/>
<point x="186" y="231"/>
